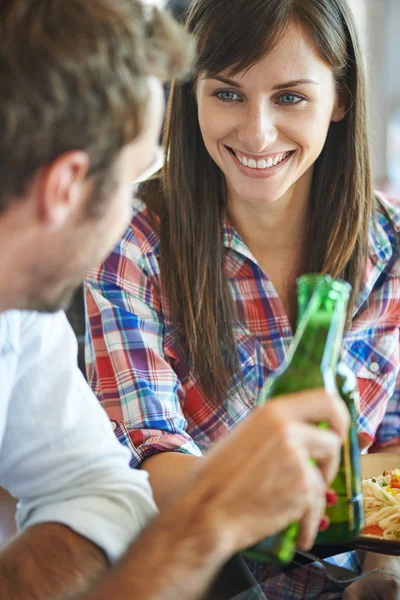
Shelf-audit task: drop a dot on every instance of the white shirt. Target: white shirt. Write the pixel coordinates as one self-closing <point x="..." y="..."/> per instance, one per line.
<point x="58" y="453"/>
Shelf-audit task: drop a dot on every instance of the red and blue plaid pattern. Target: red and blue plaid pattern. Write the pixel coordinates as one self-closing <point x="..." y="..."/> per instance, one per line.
<point x="153" y="397"/>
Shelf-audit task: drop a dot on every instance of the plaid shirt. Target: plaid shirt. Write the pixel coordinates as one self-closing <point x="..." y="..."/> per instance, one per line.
<point x="155" y="400"/>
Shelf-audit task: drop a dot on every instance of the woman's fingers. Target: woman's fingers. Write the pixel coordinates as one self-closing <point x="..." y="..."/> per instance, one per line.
<point x="364" y="440"/>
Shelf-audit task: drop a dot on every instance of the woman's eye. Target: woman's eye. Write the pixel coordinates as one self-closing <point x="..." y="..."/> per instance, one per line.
<point x="290" y="99"/>
<point x="227" y="96"/>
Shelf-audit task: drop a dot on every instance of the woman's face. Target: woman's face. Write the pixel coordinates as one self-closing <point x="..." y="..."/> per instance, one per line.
<point x="266" y="126"/>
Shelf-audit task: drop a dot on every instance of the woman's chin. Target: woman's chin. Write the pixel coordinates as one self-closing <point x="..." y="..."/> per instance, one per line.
<point x="261" y="199"/>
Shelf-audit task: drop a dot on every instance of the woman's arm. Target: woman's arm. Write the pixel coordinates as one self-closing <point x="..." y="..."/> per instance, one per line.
<point x="169" y="473"/>
<point x="132" y="355"/>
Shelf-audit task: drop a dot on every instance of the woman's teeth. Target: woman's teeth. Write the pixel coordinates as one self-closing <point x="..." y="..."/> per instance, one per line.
<point x="261" y="164"/>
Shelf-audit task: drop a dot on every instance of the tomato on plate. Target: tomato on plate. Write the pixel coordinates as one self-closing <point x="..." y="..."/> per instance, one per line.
<point x="373" y="530"/>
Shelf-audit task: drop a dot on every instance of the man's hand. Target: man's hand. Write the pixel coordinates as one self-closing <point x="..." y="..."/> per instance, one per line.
<point x="252" y="484"/>
<point x="259" y="479"/>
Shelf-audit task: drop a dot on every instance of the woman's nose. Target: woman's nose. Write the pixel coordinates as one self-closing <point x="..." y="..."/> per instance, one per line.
<point x="258" y="131"/>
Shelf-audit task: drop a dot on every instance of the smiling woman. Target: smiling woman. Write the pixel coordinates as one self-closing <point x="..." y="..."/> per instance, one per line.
<point x="267" y="177"/>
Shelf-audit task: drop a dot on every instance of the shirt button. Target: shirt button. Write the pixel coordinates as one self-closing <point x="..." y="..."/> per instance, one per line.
<point x="114" y="425"/>
<point x="374" y="367"/>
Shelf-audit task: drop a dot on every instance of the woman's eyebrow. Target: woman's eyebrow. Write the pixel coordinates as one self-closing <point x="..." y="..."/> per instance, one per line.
<point x="294" y="83"/>
<point x="226" y="80"/>
<point x="278" y="86"/>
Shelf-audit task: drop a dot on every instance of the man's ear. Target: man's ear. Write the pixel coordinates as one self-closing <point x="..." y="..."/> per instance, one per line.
<point x="341" y="105"/>
<point x="63" y="187"/>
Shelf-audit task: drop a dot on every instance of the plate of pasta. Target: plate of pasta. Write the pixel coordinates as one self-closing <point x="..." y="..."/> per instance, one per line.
<point x="381" y="491"/>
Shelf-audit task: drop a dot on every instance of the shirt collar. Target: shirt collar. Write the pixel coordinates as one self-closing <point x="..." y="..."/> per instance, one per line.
<point x="233" y="241"/>
<point x="380" y="250"/>
<point x="380" y="245"/>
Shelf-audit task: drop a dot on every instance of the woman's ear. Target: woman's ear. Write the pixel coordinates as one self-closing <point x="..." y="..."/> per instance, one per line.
<point x="342" y="99"/>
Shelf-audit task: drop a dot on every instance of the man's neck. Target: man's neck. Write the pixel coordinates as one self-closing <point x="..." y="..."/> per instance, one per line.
<point x="14" y="257"/>
<point x="10" y="298"/>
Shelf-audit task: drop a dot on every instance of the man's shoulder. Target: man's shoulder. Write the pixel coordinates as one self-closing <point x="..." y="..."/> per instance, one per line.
<point x="17" y="325"/>
<point x="10" y="328"/>
<point x="11" y="317"/>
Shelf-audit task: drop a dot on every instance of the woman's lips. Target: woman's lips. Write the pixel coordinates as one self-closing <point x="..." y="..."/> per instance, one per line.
<point x="256" y="173"/>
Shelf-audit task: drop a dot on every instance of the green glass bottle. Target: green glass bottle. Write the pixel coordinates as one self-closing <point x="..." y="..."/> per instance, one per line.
<point x="347" y="516"/>
<point x="311" y="363"/>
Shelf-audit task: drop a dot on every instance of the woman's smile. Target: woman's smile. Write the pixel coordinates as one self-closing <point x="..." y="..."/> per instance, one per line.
<point x="260" y="167"/>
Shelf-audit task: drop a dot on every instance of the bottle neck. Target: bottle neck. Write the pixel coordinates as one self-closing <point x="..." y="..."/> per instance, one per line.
<point x="319" y="335"/>
<point x="334" y="343"/>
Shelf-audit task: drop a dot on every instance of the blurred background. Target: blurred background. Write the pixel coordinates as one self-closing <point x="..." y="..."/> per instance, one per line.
<point x="378" y="23"/>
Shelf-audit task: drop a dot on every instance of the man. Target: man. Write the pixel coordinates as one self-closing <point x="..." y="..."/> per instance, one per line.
<point x="80" y="115"/>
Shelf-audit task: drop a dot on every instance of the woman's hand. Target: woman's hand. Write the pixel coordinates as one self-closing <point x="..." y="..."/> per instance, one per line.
<point x="379" y="586"/>
<point x="260" y="478"/>
<point x="384" y="585"/>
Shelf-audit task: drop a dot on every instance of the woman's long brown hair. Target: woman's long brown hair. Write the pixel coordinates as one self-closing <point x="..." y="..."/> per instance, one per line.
<point x="189" y="198"/>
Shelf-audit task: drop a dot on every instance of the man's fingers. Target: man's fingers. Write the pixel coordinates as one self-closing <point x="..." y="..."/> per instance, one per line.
<point x="321" y="445"/>
<point x="309" y="525"/>
<point x="313" y="406"/>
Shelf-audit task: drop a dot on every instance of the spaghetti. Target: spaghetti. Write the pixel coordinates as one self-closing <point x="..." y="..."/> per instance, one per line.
<point x="382" y="505"/>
